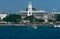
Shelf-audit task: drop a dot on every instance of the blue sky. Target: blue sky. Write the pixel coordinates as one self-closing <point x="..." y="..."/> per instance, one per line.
<point x="17" y="5"/>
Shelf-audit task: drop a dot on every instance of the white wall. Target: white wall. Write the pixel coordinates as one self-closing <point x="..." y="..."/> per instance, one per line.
<point x="3" y="16"/>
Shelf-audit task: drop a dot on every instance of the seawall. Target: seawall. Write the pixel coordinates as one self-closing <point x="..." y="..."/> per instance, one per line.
<point x="26" y="24"/>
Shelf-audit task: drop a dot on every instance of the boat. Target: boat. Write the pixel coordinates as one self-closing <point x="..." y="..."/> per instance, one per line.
<point x="35" y="27"/>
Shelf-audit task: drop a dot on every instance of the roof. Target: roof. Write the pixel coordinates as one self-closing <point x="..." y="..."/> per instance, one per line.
<point x="55" y="12"/>
<point x="38" y="11"/>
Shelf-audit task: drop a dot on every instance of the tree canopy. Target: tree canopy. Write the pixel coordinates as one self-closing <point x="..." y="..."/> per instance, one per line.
<point x="13" y="18"/>
<point x="32" y="19"/>
<point x="57" y="17"/>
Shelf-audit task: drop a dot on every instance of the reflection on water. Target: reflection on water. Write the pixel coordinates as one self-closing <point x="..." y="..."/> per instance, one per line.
<point x="27" y="32"/>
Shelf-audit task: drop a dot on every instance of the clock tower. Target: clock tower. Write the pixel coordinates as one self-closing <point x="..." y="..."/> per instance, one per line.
<point x="29" y="9"/>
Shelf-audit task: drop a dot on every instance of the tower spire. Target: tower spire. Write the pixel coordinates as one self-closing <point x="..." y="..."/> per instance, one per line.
<point x="30" y="2"/>
<point x="29" y="8"/>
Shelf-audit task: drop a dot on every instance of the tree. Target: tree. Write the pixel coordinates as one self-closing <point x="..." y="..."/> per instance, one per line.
<point x="40" y="20"/>
<point x="50" y="20"/>
<point x="13" y="18"/>
<point x="57" y="17"/>
<point x="32" y="19"/>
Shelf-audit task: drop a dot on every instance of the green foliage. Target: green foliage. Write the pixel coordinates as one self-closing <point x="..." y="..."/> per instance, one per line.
<point x="13" y="18"/>
<point x="50" y="20"/>
<point x="40" y="20"/>
<point x="57" y="17"/>
<point x="32" y="19"/>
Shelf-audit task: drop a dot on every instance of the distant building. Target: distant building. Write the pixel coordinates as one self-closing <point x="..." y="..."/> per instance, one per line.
<point x="3" y="15"/>
<point x="53" y="15"/>
<point x="40" y="14"/>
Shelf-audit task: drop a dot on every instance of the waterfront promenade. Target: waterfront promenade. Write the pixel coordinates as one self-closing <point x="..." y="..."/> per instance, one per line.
<point x="28" y="24"/>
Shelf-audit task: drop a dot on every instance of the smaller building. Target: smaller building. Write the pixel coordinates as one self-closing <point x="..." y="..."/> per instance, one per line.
<point x="3" y="16"/>
<point x="53" y="14"/>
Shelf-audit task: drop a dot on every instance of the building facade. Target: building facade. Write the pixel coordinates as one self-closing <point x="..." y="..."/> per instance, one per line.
<point x="40" y="14"/>
<point x="3" y="15"/>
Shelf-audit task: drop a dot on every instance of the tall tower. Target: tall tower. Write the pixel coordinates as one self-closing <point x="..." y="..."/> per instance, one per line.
<point x="29" y="9"/>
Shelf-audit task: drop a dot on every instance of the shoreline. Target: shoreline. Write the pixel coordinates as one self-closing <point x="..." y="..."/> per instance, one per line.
<point x="27" y="24"/>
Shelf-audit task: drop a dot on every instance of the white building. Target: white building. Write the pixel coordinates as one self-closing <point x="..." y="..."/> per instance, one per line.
<point x="2" y="15"/>
<point x="41" y="14"/>
<point x="53" y="14"/>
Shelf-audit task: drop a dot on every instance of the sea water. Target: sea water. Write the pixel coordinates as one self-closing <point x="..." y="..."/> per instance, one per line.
<point x="28" y="32"/>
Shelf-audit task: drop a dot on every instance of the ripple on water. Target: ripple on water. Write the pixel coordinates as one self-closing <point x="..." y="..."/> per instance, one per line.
<point x="27" y="32"/>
